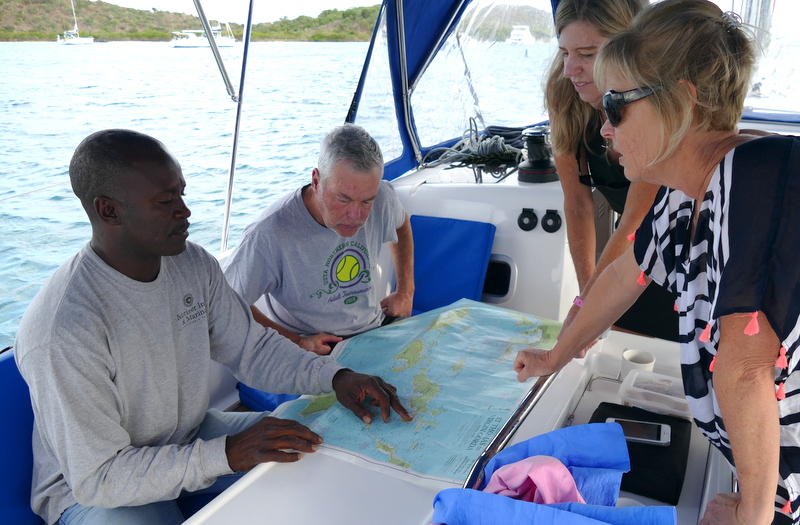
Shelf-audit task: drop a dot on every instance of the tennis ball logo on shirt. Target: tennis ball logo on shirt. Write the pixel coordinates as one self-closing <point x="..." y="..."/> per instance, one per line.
<point x="347" y="274"/>
<point x="347" y="269"/>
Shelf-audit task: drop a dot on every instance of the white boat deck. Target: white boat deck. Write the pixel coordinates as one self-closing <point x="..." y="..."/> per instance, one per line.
<point x="323" y="488"/>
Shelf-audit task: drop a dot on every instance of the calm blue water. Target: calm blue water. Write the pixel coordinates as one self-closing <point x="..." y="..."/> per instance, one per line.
<point x="52" y="96"/>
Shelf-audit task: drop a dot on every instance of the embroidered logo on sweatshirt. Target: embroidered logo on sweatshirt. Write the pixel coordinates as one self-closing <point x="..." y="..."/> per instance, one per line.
<point x="194" y="312"/>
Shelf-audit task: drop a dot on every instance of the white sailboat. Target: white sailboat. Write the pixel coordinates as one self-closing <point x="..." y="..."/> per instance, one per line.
<point x="198" y="38"/>
<point x="521" y="36"/>
<point x="72" y="36"/>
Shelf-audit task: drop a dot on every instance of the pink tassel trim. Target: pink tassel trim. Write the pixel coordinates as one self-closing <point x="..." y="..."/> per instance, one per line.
<point x="782" y="362"/>
<point x="752" y="326"/>
<point x="704" y="337"/>
<point x="713" y="364"/>
<point x="787" y="509"/>
<point x="781" y="393"/>
<point x="631" y="237"/>
<point x="641" y="280"/>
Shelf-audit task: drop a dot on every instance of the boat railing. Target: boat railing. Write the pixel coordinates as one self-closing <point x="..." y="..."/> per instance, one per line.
<point x="501" y="439"/>
<point x="237" y="98"/>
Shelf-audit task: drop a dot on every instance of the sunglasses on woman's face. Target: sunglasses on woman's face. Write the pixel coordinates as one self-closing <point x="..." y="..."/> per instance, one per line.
<point x="613" y="102"/>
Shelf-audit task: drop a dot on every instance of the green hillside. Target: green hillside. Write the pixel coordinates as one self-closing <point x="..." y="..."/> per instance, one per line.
<point x="42" y="20"/>
<point x="353" y="25"/>
<point x="31" y="20"/>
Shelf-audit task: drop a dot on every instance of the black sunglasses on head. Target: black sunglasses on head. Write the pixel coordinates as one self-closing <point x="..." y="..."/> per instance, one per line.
<point x="613" y="102"/>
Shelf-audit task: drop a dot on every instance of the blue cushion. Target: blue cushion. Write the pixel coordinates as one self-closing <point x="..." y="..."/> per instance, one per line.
<point x="451" y="257"/>
<point x="259" y="401"/>
<point x="16" y="452"/>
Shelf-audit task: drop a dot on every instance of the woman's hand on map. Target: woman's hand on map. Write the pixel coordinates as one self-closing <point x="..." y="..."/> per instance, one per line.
<point x="352" y="389"/>
<point x="533" y="362"/>
<point x="269" y="440"/>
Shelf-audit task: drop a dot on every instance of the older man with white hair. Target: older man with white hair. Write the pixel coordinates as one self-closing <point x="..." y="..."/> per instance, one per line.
<point x="312" y="253"/>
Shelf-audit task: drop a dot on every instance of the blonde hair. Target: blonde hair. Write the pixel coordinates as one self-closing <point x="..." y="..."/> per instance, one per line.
<point x="675" y="45"/>
<point x="572" y="119"/>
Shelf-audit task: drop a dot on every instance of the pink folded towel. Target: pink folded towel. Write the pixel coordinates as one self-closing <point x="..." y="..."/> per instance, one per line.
<point x="538" y="479"/>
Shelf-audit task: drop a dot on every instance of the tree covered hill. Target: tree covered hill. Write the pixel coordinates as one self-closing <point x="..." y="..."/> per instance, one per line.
<point x="42" y="20"/>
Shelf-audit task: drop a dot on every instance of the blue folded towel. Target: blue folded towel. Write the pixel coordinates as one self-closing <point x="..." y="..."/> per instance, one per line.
<point x="473" y="507"/>
<point x="596" y="455"/>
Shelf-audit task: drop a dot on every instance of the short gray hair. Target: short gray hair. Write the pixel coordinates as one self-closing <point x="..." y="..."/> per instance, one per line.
<point x="351" y="143"/>
<point x="104" y="158"/>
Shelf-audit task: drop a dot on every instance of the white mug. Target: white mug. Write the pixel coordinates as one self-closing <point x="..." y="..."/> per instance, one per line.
<point x="636" y="360"/>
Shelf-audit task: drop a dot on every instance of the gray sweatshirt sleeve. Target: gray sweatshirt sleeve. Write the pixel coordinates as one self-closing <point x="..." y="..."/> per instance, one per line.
<point x="258" y="356"/>
<point x="81" y="429"/>
<point x="111" y="443"/>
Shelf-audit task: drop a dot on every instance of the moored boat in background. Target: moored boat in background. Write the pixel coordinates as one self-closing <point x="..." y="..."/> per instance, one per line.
<point x="73" y="37"/>
<point x="520" y="36"/>
<point x="198" y="38"/>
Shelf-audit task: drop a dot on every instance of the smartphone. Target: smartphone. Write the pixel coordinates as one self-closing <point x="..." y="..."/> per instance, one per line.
<point x="644" y="431"/>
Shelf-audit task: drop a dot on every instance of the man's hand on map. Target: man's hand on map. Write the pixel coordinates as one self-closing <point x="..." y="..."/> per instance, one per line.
<point x="268" y="440"/>
<point x="533" y="362"/>
<point x="352" y="389"/>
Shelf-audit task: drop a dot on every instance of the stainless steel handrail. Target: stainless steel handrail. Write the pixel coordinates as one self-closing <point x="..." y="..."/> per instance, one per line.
<point x="212" y="42"/>
<point x="475" y="478"/>
<point x="226" y="219"/>
<point x="237" y="98"/>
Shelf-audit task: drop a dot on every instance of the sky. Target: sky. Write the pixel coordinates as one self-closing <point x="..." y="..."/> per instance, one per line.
<point x="268" y="10"/>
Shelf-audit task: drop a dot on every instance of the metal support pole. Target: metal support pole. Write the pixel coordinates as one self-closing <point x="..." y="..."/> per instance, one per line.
<point x="226" y="219"/>
<point x="215" y="50"/>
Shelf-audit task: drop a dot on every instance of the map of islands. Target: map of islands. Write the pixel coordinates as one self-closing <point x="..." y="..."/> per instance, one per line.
<point x="453" y="370"/>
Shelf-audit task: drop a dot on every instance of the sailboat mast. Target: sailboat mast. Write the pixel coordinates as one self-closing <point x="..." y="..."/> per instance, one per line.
<point x="74" y="18"/>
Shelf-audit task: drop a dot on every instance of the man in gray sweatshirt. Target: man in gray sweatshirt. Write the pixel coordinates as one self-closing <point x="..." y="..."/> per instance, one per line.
<point x="116" y="350"/>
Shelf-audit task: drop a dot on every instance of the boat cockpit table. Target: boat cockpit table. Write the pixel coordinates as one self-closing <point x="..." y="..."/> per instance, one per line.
<point x="338" y="486"/>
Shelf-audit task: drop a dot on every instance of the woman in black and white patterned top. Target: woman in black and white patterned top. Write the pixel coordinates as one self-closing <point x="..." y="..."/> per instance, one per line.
<point x="721" y="236"/>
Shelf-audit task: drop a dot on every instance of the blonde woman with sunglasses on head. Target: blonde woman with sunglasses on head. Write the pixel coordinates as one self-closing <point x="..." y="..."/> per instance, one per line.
<point x="721" y="236"/>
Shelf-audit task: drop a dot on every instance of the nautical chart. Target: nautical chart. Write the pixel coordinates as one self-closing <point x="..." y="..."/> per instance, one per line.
<point x="453" y="370"/>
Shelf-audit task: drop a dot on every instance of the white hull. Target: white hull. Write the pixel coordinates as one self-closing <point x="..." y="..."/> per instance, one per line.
<point x="76" y="41"/>
<point x="521" y="36"/>
<point x="203" y="42"/>
<point x="71" y="37"/>
<point x="197" y="38"/>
